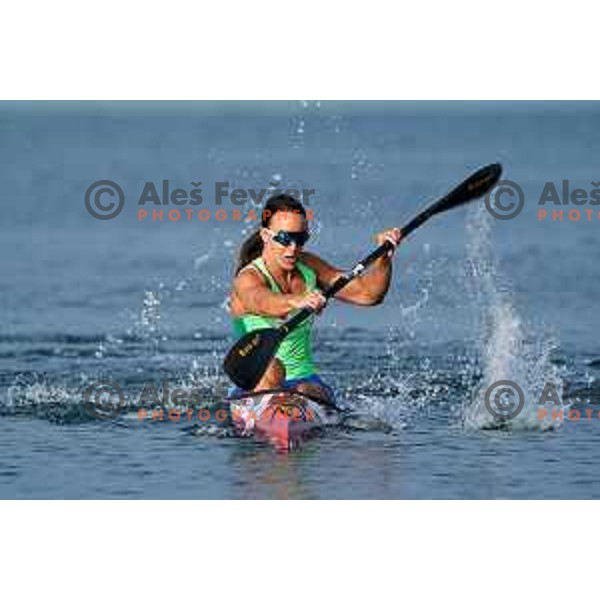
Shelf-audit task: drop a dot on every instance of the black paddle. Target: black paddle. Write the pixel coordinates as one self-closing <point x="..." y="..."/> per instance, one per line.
<point x="249" y="358"/>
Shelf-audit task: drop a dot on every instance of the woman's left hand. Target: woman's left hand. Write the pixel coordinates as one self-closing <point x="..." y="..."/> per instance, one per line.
<point x="389" y="235"/>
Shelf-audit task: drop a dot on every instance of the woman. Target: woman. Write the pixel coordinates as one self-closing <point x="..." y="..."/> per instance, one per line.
<point x="275" y="277"/>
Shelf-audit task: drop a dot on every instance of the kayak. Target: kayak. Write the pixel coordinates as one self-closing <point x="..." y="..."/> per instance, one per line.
<point x="283" y="418"/>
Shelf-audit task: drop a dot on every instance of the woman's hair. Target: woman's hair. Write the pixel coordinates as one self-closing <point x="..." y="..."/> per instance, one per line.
<point x="253" y="246"/>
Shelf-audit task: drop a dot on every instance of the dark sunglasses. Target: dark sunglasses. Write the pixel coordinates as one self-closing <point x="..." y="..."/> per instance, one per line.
<point x="287" y="238"/>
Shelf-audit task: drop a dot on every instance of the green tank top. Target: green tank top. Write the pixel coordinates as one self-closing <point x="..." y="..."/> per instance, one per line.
<point x="294" y="352"/>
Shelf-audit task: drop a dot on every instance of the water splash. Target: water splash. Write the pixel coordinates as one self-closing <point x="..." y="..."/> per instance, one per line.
<point x="297" y="129"/>
<point x="508" y="349"/>
<point x="32" y="394"/>
<point x="298" y="122"/>
<point x="66" y="402"/>
<point x="361" y="165"/>
<point x="409" y="379"/>
<point x="400" y="384"/>
<point x="150" y="318"/>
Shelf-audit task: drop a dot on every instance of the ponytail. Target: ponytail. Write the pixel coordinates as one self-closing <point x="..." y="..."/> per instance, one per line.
<point x="252" y="248"/>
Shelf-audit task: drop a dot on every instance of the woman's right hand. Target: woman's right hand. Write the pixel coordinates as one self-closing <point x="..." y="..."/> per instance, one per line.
<point x="313" y="300"/>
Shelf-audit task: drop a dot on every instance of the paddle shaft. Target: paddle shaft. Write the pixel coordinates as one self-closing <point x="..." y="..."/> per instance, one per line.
<point x="342" y="281"/>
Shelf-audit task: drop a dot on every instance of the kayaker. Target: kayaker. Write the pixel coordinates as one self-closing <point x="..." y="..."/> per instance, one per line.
<point x="276" y="276"/>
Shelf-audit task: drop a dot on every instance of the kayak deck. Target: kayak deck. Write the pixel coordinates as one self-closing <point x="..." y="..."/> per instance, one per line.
<point x="284" y="418"/>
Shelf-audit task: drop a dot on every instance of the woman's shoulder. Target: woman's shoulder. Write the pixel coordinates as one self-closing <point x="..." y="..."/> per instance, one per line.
<point x="251" y="273"/>
<point x="244" y="282"/>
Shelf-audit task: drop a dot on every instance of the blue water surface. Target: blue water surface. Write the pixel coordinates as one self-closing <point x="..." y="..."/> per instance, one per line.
<point x="473" y="300"/>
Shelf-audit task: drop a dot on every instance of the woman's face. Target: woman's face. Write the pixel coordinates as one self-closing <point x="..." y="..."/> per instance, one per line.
<point x="275" y="236"/>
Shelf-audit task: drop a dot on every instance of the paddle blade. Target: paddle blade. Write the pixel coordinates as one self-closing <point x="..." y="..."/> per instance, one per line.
<point x="474" y="187"/>
<point x="249" y="358"/>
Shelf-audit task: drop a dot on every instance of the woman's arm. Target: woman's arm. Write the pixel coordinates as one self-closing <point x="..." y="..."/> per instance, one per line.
<point x="368" y="289"/>
<point x="251" y="295"/>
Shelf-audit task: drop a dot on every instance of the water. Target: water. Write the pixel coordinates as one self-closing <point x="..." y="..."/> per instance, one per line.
<point x="474" y="300"/>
